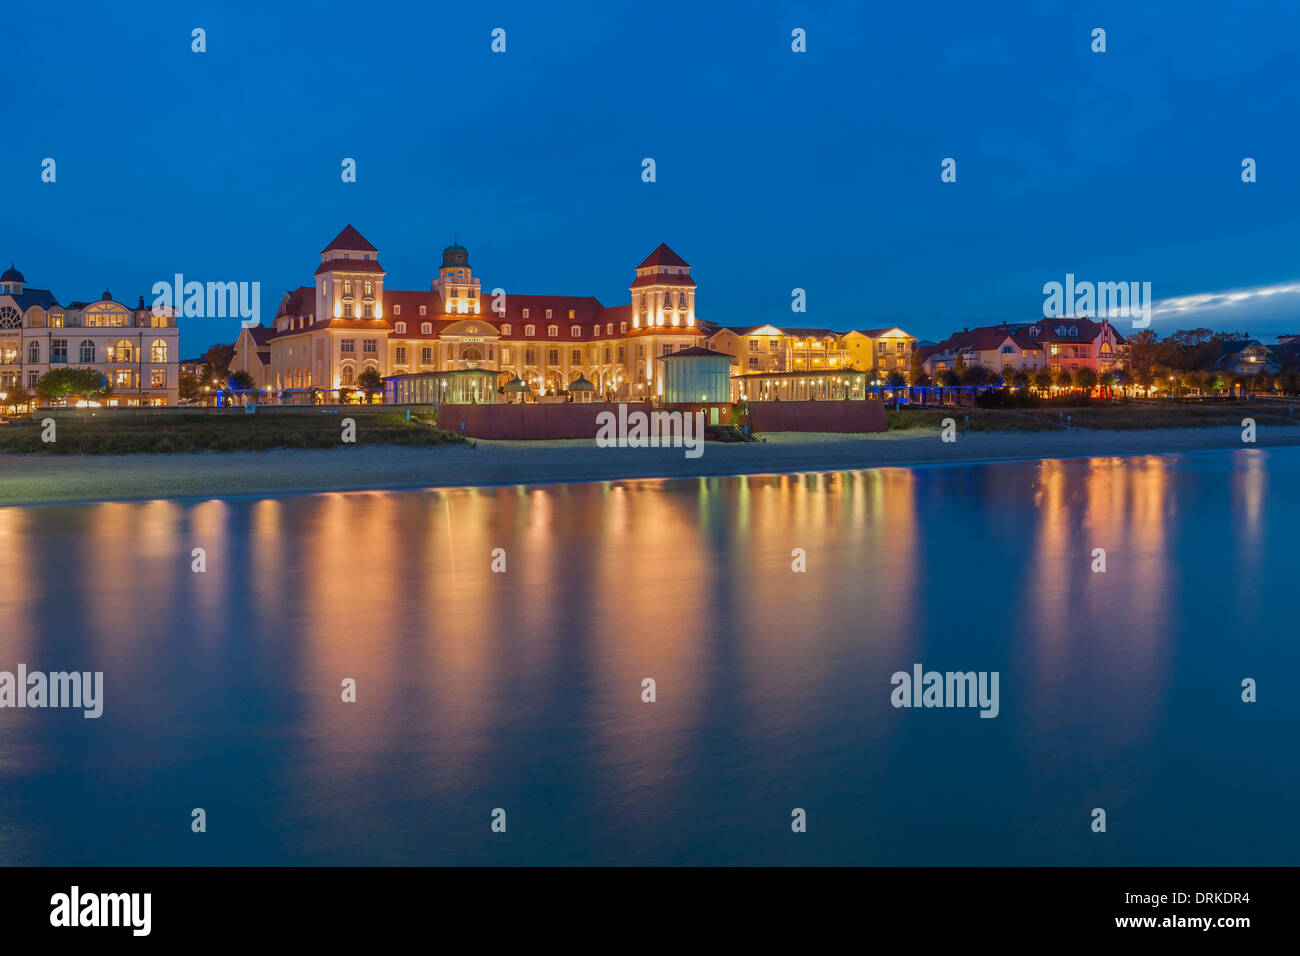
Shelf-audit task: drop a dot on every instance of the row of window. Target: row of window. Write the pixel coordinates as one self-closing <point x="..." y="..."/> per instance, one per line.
<point x="121" y="378"/>
<point x="367" y="345"/>
<point x="123" y="352"/>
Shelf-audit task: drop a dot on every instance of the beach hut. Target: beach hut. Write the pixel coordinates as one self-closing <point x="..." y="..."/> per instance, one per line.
<point x="582" y="390"/>
<point x="516" y="390"/>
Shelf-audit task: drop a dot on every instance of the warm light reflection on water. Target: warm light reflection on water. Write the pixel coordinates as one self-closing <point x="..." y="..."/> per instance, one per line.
<point x="523" y="689"/>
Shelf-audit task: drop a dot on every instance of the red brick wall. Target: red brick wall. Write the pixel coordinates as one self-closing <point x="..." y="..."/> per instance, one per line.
<point x="531" y="421"/>
<point x="841" y="416"/>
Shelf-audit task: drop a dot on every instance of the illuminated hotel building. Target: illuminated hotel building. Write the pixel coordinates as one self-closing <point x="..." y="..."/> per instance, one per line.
<point x="324" y="336"/>
<point x="136" y="350"/>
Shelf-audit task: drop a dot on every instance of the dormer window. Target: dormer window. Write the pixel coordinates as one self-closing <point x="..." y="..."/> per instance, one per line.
<point x="622" y="327"/>
<point x="570" y="313"/>
<point x="397" y="310"/>
<point x="423" y="310"/>
<point x="426" y="328"/>
<point x="552" y="330"/>
<point x="401" y="328"/>
<point x="548" y="313"/>
<point x="1033" y="332"/>
<point x="576" y="331"/>
<point x="530" y="329"/>
<point x="505" y="330"/>
<point x="525" y="314"/>
<point x="1074" y="330"/>
<point x="609" y="328"/>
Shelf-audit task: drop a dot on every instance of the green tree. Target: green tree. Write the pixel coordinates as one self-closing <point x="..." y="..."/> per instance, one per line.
<point x="917" y="371"/>
<point x="370" y="381"/>
<point x="189" y="388"/>
<point x="243" y="381"/>
<point x="60" y="384"/>
<point x="217" y="359"/>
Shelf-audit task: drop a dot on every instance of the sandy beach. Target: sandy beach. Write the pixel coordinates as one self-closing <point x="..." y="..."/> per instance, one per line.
<point x="36" y="479"/>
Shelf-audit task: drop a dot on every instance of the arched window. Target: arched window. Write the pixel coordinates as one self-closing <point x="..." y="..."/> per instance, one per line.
<point x="397" y="310"/>
<point x="87" y="352"/>
<point x="530" y="330"/>
<point x="505" y="330"/>
<point x="347" y="375"/>
<point x="552" y="330"/>
<point x="158" y="351"/>
<point x="622" y="327"/>
<point x="426" y="328"/>
<point x="575" y="331"/>
<point x="347" y="286"/>
<point x="401" y="327"/>
<point x="122" y="352"/>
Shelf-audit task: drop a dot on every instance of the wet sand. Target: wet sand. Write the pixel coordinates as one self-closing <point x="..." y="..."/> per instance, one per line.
<point x="35" y="479"/>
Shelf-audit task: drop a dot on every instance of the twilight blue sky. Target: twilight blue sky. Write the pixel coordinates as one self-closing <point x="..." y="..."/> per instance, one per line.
<point x="775" y="169"/>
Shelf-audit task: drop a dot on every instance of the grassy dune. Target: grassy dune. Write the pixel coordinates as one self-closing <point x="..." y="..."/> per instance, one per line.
<point x="106" y="435"/>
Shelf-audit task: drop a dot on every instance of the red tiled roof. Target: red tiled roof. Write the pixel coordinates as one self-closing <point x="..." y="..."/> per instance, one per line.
<point x="616" y="314"/>
<point x="663" y="256"/>
<point x="410" y="302"/>
<point x="350" y="240"/>
<point x="669" y="279"/>
<point x="349" y="265"/>
<point x="301" y="301"/>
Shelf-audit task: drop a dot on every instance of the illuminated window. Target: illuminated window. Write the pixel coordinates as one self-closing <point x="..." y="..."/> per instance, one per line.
<point x="505" y="329"/>
<point x="399" y="355"/>
<point x="158" y="351"/>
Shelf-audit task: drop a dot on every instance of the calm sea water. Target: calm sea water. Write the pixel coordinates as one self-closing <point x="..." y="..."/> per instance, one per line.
<point x="522" y="690"/>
